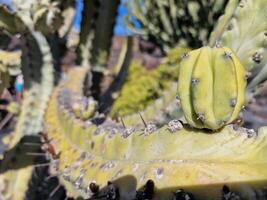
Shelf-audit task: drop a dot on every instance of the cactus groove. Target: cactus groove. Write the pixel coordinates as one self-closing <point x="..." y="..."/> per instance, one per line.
<point x="94" y="153"/>
<point x="212" y="87"/>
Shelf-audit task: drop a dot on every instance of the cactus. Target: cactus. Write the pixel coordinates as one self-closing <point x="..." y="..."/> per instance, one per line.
<point x="246" y="36"/>
<point x="176" y="22"/>
<point x="142" y="157"/>
<point x="96" y="31"/>
<point x="89" y="156"/>
<point x="211" y="87"/>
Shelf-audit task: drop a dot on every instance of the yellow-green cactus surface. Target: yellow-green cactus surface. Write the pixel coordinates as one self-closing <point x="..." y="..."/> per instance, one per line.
<point x="211" y="87"/>
<point x="172" y="156"/>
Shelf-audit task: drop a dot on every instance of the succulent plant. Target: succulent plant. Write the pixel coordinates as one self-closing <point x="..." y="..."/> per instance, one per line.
<point x="175" y="22"/>
<point x="151" y="154"/>
<point x="90" y="156"/>
<point x="211" y="87"/>
<point x="246" y="36"/>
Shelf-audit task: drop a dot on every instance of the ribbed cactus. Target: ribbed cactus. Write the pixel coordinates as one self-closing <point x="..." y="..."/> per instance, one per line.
<point x="169" y="23"/>
<point x="149" y="154"/>
<point x="245" y="35"/>
<point x="97" y="31"/>
<point x="211" y="87"/>
<point x="130" y="155"/>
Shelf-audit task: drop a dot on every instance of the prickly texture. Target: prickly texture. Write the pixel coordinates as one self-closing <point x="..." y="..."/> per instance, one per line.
<point x="37" y="68"/>
<point x="14" y="183"/>
<point x="16" y="166"/>
<point x="175" y="22"/>
<point x="137" y="95"/>
<point x="172" y="156"/>
<point x="211" y="87"/>
<point x="246" y="36"/>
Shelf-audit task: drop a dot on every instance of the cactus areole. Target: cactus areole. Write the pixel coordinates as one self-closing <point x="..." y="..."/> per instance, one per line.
<point x="211" y="87"/>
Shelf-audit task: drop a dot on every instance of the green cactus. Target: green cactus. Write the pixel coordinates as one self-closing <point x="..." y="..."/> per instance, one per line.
<point x="246" y="36"/>
<point x="90" y="153"/>
<point x="37" y="67"/>
<point x="211" y="87"/>
<point x="176" y="22"/>
<point x="97" y="157"/>
<point x="96" y="31"/>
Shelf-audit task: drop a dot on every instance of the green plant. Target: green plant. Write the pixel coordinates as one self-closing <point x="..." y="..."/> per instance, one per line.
<point x="211" y="87"/>
<point x="148" y="154"/>
<point x="175" y="22"/>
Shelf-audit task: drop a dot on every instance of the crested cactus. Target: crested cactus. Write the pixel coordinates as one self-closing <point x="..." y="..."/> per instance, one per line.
<point x="211" y="87"/>
<point x="89" y="156"/>
<point x="175" y="22"/>
<point x="149" y="154"/>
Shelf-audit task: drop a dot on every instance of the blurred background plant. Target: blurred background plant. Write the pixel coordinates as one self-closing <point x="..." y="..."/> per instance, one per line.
<point x="133" y="46"/>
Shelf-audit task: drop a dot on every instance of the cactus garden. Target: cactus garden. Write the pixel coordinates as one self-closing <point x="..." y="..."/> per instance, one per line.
<point x="133" y="100"/>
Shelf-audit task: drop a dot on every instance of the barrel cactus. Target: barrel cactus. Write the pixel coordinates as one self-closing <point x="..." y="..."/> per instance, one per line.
<point x="211" y="87"/>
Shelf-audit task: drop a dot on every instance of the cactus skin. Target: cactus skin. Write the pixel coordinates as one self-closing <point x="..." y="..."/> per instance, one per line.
<point x="211" y="87"/>
<point x="88" y="152"/>
<point x="246" y="36"/>
<point x="169" y="23"/>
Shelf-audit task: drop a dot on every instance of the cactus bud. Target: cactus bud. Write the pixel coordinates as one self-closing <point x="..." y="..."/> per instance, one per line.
<point x="211" y="82"/>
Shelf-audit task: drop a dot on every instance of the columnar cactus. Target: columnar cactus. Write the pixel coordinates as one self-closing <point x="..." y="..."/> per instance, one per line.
<point x="175" y="22"/>
<point x="211" y="87"/>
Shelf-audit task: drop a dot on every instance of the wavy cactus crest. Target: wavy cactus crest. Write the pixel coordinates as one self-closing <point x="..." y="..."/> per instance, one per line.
<point x="127" y="156"/>
<point x="211" y="87"/>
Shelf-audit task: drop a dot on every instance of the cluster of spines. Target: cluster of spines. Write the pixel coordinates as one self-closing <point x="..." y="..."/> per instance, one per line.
<point x="87" y="133"/>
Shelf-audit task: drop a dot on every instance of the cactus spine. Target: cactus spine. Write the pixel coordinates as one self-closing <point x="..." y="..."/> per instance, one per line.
<point x="89" y="153"/>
